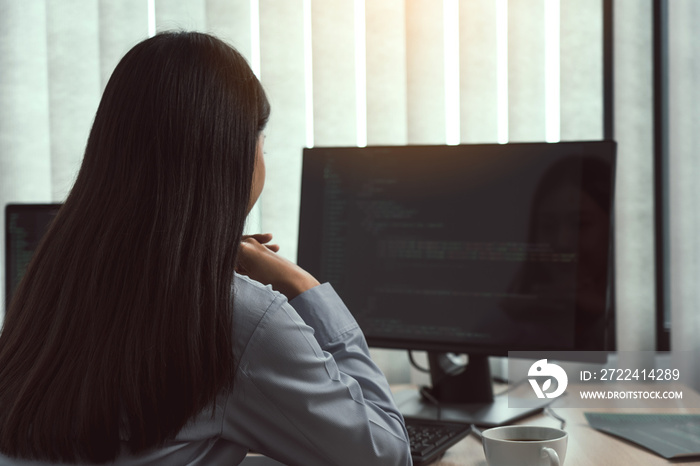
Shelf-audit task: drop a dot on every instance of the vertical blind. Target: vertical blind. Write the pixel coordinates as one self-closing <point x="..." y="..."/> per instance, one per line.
<point x="684" y="188"/>
<point x="356" y="72"/>
<point x="634" y="202"/>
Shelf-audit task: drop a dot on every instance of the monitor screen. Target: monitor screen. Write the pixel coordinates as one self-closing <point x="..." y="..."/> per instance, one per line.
<point x="479" y="249"/>
<point x="25" y="226"/>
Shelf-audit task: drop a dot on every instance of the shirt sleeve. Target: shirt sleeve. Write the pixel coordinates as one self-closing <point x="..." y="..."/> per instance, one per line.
<point x="306" y="391"/>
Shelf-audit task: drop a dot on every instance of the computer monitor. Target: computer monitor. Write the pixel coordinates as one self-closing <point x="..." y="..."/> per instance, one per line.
<point x="25" y="226"/>
<point x="475" y="249"/>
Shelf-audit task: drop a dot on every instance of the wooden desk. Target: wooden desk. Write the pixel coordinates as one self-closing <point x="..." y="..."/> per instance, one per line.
<point x="587" y="446"/>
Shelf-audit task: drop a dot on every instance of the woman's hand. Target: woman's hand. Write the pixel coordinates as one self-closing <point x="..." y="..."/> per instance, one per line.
<point x="263" y="238"/>
<point x="258" y="259"/>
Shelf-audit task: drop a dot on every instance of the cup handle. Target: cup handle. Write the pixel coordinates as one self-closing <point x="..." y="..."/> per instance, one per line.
<point x="552" y="455"/>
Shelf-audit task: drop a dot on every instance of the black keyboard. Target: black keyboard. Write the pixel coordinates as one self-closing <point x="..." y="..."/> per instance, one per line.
<point x="430" y="439"/>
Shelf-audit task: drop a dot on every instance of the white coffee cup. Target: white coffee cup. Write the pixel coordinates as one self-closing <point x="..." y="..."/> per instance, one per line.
<point x="525" y="446"/>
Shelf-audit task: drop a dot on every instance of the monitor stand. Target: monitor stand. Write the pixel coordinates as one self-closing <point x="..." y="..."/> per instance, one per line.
<point x="465" y="397"/>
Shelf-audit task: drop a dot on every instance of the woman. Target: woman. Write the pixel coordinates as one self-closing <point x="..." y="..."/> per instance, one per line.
<point x="131" y="338"/>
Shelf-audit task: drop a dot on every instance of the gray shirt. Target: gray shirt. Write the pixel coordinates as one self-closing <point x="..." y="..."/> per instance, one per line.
<point x="305" y="391"/>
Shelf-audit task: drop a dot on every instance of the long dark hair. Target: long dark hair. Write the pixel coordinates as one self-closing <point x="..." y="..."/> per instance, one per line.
<point x="121" y="329"/>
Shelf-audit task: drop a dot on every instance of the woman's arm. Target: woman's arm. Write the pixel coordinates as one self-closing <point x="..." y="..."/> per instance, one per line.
<point x="258" y="259"/>
<point x="307" y="391"/>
